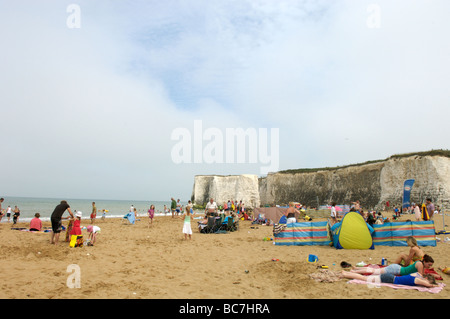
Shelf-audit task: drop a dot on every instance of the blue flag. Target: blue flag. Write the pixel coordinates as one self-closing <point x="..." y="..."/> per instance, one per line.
<point x="407" y="187"/>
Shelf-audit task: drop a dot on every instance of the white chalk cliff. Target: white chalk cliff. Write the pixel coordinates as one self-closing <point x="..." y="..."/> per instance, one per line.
<point x="373" y="184"/>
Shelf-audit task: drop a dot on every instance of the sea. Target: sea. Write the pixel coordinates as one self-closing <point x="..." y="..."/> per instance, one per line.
<point x="29" y="206"/>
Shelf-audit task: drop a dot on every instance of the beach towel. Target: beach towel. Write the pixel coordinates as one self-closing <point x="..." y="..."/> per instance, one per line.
<point x="425" y="271"/>
<point x="130" y="217"/>
<point x="433" y="290"/>
<point x="432" y="271"/>
<point x="69" y="229"/>
<point x="278" y="228"/>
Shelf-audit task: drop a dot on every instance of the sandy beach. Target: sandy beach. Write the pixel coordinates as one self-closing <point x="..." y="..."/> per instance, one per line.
<point x="137" y="261"/>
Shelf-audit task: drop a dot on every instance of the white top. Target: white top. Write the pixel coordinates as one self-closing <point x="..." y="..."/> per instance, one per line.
<point x="333" y="211"/>
<point x="211" y="206"/>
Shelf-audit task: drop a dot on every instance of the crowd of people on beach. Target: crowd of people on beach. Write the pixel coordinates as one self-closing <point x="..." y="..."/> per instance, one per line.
<point x="185" y="212"/>
<point x="9" y="212"/>
<point x="407" y="269"/>
<point x="377" y="217"/>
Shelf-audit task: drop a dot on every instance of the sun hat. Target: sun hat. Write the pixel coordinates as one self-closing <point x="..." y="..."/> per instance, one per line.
<point x="89" y="229"/>
<point x="79" y="214"/>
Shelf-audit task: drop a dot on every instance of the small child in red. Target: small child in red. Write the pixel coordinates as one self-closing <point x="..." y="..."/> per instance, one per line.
<point x="76" y="229"/>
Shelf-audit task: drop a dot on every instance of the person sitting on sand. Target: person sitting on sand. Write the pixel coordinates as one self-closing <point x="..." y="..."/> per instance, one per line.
<point x="203" y="223"/>
<point x="380" y="219"/>
<point x="415" y="253"/>
<point x="414" y="279"/>
<point x="397" y="270"/>
<point x="36" y="223"/>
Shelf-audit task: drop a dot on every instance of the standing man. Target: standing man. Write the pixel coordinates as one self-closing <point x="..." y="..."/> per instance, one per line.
<point x="56" y="219"/>
<point x="94" y="213"/>
<point x="430" y="208"/>
<point x="173" y="206"/>
<point x="211" y="208"/>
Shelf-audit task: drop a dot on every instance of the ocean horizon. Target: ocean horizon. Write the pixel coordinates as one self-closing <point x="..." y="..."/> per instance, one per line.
<point x="29" y="206"/>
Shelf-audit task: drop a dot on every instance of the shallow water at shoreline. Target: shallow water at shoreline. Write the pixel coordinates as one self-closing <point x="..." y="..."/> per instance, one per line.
<point x="29" y="206"/>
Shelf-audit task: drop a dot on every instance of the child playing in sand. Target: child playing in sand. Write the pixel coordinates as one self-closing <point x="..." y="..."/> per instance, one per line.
<point x="93" y="232"/>
<point x="187" y="230"/>
<point x="76" y="228"/>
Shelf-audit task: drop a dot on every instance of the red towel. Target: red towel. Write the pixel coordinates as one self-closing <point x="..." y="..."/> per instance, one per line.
<point x="432" y="271"/>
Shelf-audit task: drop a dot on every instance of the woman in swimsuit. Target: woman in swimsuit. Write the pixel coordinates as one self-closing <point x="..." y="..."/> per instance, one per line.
<point x="397" y="270"/>
<point x="415" y="253"/>
<point x="414" y="279"/>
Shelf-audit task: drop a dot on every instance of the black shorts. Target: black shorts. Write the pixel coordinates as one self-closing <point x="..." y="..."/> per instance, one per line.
<point x="56" y="225"/>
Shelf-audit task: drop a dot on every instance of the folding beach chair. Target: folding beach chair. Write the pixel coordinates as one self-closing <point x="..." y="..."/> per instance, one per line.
<point x="229" y="226"/>
<point x="210" y="227"/>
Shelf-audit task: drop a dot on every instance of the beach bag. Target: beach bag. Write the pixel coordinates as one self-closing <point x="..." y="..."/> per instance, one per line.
<point x="76" y="241"/>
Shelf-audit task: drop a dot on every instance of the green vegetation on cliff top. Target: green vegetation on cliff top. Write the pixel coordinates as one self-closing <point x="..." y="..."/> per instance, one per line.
<point x="444" y="153"/>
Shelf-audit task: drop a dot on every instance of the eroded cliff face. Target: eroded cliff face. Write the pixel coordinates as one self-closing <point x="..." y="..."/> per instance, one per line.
<point x="321" y="187"/>
<point x="224" y="188"/>
<point x="371" y="184"/>
<point x="431" y="175"/>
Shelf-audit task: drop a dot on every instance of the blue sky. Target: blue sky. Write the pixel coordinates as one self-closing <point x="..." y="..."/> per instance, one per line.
<point x="88" y="112"/>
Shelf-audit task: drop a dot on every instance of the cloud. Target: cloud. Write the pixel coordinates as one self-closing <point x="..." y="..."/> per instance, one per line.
<point x="89" y="112"/>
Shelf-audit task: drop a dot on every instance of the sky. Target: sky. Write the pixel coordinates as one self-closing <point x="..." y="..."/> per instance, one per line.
<point x="131" y="99"/>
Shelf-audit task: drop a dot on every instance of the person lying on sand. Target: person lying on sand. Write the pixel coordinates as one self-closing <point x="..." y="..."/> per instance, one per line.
<point x="397" y="270"/>
<point x="414" y="279"/>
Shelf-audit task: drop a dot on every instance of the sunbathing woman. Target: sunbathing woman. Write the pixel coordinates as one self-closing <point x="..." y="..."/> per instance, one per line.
<point x="397" y="270"/>
<point x="414" y="279"/>
<point x="415" y="253"/>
